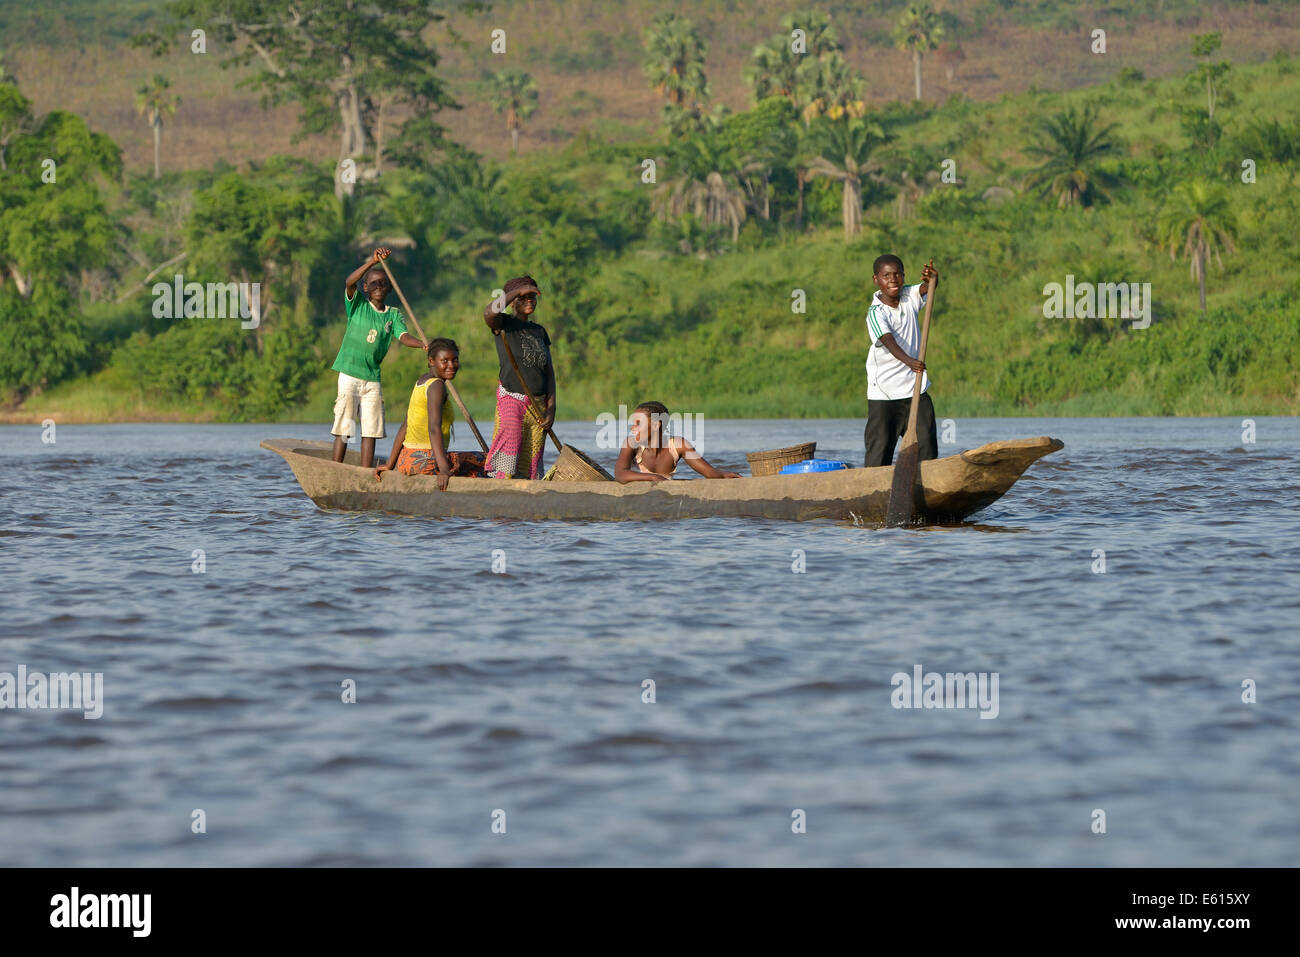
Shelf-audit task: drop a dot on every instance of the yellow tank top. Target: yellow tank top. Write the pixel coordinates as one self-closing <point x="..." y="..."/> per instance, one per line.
<point x="417" y="417"/>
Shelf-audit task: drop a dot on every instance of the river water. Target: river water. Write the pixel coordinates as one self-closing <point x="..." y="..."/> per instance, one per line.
<point x="519" y="698"/>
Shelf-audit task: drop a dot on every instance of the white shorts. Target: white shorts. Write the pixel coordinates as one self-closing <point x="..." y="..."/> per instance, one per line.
<point x="369" y="396"/>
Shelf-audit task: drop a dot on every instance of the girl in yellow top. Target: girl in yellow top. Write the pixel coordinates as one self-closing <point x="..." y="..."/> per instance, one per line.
<point x="419" y="449"/>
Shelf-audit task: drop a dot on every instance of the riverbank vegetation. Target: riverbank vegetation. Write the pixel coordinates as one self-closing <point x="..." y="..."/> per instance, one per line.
<point x="715" y="258"/>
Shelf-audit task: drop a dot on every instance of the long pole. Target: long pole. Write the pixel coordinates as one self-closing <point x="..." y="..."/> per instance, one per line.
<point x="451" y="389"/>
<point x="902" y="493"/>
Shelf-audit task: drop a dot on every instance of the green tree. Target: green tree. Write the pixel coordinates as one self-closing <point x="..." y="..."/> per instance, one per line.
<point x="822" y="77"/>
<point x="705" y="187"/>
<point x="1073" y="147"/>
<point x="845" y="157"/>
<point x="53" y="222"/>
<point x="1270" y="140"/>
<point x="513" y="93"/>
<point x="15" y="117"/>
<point x="919" y="31"/>
<point x="53" y="225"/>
<point x="155" y="100"/>
<point x="914" y="172"/>
<point x="759" y="143"/>
<point x="1198" y="220"/>
<point x="1208" y="74"/>
<point x="282" y="374"/>
<point x="694" y="119"/>
<point x="674" y="60"/>
<point x="457" y="215"/>
<point x="773" y="70"/>
<point x="833" y="89"/>
<point x="819" y="38"/>
<point x="333" y="58"/>
<point x="41" y="340"/>
<point x="269" y="228"/>
<point x="555" y="236"/>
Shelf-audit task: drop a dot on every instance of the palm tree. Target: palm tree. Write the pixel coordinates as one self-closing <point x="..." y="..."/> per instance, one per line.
<point x="803" y="175"/>
<point x="1072" y="148"/>
<point x="1203" y="46"/>
<point x="1198" y="218"/>
<point x="821" y="67"/>
<point x="773" y="70"/>
<point x="703" y="189"/>
<point x="846" y="158"/>
<point x="683" y="122"/>
<point x="515" y="94"/>
<point x="833" y="89"/>
<point x="155" y="100"/>
<point x="715" y="200"/>
<point x="674" y="59"/>
<point x="919" y="30"/>
<point x="911" y="191"/>
<point x="819" y="34"/>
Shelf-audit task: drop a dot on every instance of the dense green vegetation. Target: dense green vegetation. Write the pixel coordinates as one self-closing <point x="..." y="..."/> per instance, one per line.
<point x="686" y="289"/>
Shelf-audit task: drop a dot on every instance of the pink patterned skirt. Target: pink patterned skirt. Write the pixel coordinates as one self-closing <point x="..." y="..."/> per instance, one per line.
<point x="517" y="440"/>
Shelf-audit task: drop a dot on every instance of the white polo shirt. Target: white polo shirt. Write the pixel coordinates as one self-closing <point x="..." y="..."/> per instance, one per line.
<point x="887" y="378"/>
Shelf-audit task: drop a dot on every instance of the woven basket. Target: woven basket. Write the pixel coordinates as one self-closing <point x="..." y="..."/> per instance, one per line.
<point x="771" y="462"/>
<point x="573" y="466"/>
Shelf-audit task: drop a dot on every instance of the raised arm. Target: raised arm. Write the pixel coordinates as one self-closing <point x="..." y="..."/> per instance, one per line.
<point x="355" y="276"/>
<point x="493" y="311"/>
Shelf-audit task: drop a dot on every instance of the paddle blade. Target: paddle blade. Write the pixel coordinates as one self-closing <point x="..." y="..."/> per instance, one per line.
<point x="902" y="494"/>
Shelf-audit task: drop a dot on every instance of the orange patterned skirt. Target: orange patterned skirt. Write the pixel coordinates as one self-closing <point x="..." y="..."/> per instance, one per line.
<point x="423" y="462"/>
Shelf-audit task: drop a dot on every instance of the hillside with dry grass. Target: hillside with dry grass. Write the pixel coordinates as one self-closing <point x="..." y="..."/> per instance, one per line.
<point x="586" y="58"/>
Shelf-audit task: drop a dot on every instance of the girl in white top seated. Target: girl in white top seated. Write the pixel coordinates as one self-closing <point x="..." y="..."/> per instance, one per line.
<point x="650" y="454"/>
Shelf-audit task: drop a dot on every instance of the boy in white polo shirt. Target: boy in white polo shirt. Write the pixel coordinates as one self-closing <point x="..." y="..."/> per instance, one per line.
<point x="371" y="328"/>
<point x="892" y="365"/>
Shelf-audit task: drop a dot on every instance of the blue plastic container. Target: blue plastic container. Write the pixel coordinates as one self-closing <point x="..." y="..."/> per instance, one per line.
<point x="813" y="465"/>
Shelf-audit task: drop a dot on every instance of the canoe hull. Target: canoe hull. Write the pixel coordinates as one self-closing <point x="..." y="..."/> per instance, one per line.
<point x="951" y="489"/>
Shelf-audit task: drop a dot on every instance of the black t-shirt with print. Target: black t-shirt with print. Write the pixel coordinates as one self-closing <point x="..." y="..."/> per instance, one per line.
<point x="531" y="347"/>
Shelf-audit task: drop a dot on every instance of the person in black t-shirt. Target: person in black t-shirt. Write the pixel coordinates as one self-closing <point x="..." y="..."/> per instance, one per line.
<point x="519" y="438"/>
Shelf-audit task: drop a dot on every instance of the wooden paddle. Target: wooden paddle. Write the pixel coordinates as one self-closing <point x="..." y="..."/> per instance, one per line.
<point x="907" y="467"/>
<point x="451" y="389"/>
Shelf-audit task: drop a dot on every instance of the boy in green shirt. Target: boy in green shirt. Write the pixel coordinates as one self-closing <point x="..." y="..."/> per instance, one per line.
<point x="371" y="328"/>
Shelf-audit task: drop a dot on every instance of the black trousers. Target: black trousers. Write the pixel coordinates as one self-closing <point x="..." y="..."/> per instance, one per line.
<point x="886" y="423"/>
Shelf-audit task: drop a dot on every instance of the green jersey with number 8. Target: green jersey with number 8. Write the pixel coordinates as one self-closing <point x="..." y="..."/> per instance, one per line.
<point x="365" y="342"/>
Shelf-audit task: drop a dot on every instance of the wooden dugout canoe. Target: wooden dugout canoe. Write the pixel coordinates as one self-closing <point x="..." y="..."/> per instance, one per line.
<point x="953" y="488"/>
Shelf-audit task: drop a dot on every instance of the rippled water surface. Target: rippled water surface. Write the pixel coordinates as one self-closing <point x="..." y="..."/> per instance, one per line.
<point x="522" y="692"/>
